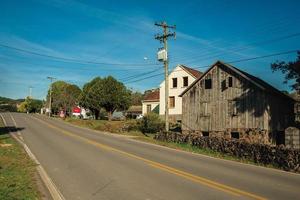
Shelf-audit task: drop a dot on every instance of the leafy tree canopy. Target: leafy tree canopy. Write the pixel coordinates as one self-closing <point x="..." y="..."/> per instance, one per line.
<point x="30" y="105"/>
<point x="107" y="93"/>
<point x="86" y="98"/>
<point x="64" y="96"/>
<point x="136" y="98"/>
<point x="291" y="70"/>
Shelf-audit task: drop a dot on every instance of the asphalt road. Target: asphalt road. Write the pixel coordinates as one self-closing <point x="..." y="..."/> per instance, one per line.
<point x="85" y="164"/>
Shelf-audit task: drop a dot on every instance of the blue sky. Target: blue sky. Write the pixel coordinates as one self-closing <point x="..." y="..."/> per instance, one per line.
<point x="123" y="32"/>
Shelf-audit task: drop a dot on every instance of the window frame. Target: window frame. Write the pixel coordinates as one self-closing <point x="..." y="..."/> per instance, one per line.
<point x="185" y="78"/>
<point x="147" y="108"/>
<point x="208" y="84"/>
<point x="173" y="103"/>
<point x="174" y="80"/>
<point x="230" y="81"/>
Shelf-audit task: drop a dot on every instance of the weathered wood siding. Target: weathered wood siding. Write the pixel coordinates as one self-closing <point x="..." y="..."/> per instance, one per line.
<point x="242" y="106"/>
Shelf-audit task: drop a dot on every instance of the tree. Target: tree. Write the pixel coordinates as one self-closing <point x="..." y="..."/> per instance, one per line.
<point x="71" y="94"/>
<point x="87" y="99"/>
<point x="290" y="69"/>
<point x="30" y="105"/>
<point x="136" y="98"/>
<point x="64" y="96"/>
<point x="110" y="94"/>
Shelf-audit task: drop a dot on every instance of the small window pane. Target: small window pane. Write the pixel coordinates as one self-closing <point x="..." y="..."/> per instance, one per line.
<point x="174" y="82"/>
<point x="185" y="81"/>
<point x="208" y="84"/>
<point x="230" y="82"/>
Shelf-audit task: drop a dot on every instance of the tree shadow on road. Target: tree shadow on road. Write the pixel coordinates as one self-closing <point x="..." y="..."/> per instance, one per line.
<point x="8" y="129"/>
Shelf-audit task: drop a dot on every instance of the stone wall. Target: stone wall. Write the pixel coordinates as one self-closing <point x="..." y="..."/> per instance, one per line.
<point x="292" y="137"/>
<point x="279" y="156"/>
<point x="249" y="135"/>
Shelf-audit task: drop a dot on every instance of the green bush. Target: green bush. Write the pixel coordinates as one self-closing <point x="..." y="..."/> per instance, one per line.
<point x="151" y="123"/>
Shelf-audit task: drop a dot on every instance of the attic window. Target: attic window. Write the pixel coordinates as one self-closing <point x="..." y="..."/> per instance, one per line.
<point x="174" y="82"/>
<point x="230" y="81"/>
<point x="185" y="81"/>
<point x="208" y="83"/>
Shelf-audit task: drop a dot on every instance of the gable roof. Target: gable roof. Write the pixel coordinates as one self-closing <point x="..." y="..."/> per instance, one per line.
<point x="152" y="96"/>
<point x="193" y="72"/>
<point x="252" y="79"/>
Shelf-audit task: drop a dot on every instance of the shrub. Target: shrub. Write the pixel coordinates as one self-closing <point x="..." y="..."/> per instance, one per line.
<point x="151" y="123"/>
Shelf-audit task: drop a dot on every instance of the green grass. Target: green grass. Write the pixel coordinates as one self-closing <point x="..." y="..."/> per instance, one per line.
<point x="117" y="127"/>
<point x="17" y="170"/>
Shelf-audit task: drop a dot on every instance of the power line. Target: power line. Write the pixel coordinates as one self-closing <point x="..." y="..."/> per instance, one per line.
<point x="144" y="78"/>
<point x="75" y="60"/>
<point x="230" y="62"/>
<point x="74" y="68"/>
<point x="140" y="74"/>
<point x="244" y="47"/>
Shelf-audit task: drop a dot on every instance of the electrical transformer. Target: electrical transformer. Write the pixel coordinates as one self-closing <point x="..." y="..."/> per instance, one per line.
<point x="162" y="55"/>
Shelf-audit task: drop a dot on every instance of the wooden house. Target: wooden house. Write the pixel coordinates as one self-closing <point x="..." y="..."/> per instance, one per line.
<point x="226" y="101"/>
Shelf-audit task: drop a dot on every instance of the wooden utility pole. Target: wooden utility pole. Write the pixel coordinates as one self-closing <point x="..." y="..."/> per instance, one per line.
<point x="50" y="99"/>
<point x="164" y="38"/>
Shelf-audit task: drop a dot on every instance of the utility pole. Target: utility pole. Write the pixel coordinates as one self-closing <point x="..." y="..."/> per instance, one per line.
<point x="164" y="38"/>
<point x="30" y="92"/>
<point x="50" y="99"/>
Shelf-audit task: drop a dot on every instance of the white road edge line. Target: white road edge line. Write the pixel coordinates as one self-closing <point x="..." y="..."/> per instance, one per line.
<point x="53" y="190"/>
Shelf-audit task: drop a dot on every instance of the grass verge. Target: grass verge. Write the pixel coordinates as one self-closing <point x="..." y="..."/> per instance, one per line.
<point x="128" y="127"/>
<point x="17" y="170"/>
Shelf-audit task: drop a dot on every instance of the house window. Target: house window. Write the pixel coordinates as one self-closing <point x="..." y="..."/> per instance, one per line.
<point x="208" y="83"/>
<point x="174" y="82"/>
<point x="171" y="102"/>
<point x="185" y="81"/>
<point x="148" y="108"/>
<point x="235" y="135"/>
<point x="230" y="81"/>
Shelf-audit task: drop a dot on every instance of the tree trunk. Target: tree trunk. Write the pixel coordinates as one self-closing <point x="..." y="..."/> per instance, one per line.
<point x="109" y="115"/>
<point x="96" y="112"/>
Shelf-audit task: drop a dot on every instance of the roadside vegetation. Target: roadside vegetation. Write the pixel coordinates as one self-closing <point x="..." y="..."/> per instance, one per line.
<point x="128" y="127"/>
<point x="17" y="170"/>
<point x="30" y="105"/>
<point x="147" y="126"/>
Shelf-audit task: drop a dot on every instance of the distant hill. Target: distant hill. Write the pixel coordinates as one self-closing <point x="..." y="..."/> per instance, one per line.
<point x="7" y="104"/>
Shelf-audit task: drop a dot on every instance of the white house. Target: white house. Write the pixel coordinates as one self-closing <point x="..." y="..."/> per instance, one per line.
<point x="150" y="102"/>
<point x="179" y="79"/>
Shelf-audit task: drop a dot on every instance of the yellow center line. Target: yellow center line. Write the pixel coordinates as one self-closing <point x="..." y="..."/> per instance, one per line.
<point x="186" y="175"/>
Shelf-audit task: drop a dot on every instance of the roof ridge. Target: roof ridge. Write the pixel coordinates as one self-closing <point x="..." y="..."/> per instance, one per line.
<point x="192" y="71"/>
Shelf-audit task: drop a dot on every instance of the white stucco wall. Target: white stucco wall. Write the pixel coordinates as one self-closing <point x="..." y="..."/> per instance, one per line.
<point x="178" y="73"/>
<point x="144" y="106"/>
